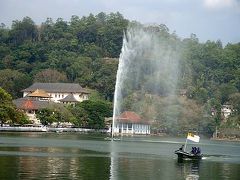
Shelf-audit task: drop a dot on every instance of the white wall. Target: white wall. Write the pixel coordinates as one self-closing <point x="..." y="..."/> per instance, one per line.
<point x="58" y="96"/>
<point x="126" y="128"/>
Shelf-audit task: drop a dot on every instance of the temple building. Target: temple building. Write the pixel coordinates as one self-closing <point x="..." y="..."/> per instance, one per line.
<point x="31" y="103"/>
<point x="129" y="123"/>
<point x="42" y="95"/>
<point x="60" y="92"/>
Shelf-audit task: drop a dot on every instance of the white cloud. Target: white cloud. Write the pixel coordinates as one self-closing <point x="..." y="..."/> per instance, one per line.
<point x="218" y="4"/>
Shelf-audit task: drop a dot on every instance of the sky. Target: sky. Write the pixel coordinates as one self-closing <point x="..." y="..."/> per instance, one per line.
<point x="208" y="19"/>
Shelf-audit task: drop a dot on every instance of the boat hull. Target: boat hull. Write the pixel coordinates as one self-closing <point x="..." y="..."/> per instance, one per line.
<point x="186" y="155"/>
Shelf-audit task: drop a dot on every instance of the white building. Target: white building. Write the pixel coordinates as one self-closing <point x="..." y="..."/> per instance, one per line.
<point x="129" y="123"/>
<point x="43" y="95"/>
<point x="30" y="106"/>
<point x="226" y="110"/>
<point x="60" y="92"/>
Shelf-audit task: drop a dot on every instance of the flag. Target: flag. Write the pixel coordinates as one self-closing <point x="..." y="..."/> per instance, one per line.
<point x="193" y="137"/>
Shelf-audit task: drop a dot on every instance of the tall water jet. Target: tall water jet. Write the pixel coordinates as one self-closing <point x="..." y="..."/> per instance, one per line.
<point x="148" y="69"/>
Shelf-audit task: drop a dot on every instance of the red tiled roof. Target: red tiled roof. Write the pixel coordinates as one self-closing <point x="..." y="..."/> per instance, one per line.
<point x="28" y="104"/>
<point x="31" y="103"/>
<point x="129" y="116"/>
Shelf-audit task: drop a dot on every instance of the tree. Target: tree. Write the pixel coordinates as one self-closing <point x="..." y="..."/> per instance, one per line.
<point x="80" y="71"/>
<point x="4" y="50"/>
<point x="178" y="114"/>
<point x="234" y="100"/>
<point x="50" y="76"/>
<point x="225" y="91"/>
<point x="95" y="95"/>
<point x="55" y="112"/>
<point x="93" y="51"/>
<point x="232" y="124"/>
<point x="13" y="81"/>
<point x="8" y="112"/>
<point x="85" y="48"/>
<point x="110" y="36"/>
<point x="23" y="30"/>
<point x="91" y="114"/>
<point x="81" y="118"/>
<point x="201" y="95"/>
<point x="47" y="116"/>
<point x="105" y="76"/>
<point x="4" y="33"/>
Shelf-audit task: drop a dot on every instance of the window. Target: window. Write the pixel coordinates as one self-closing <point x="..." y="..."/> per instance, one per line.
<point x="130" y="126"/>
<point x="124" y="126"/>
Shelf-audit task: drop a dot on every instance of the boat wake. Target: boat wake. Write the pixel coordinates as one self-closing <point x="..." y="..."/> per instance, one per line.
<point x="222" y="158"/>
<point x="112" y="139"/>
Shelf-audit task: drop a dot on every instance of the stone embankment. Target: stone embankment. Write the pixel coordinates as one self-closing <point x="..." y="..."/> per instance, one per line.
<point x="49" y="129"/>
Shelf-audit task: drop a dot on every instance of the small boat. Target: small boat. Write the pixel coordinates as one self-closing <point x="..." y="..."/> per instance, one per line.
<point x="194" y="154"/>
<point x="187" y="155"/>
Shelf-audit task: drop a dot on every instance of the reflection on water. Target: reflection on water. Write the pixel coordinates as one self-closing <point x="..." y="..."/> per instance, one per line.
<point x="75" y="156"/>
<point x="189" y="169"/>
<point x="51" y="167"/>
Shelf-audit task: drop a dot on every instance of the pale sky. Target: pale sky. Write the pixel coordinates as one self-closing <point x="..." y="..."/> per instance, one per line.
<point x="208" y="19"/>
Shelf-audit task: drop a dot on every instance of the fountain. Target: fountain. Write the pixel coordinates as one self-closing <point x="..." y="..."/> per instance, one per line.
<point x="147" y="70"/>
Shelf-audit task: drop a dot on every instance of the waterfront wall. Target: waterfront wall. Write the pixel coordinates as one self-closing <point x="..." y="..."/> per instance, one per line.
<point x="49" y="129"/>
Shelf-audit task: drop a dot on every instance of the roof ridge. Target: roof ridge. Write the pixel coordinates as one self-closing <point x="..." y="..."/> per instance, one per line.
<point x="57" y="87"/>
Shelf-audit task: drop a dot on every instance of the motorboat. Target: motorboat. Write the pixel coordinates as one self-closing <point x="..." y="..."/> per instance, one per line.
<point x="188" y="155"/>
<point x="195" y="153"/>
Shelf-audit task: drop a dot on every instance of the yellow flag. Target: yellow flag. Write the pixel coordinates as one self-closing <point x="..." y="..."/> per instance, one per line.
<point x="193" y="137"/>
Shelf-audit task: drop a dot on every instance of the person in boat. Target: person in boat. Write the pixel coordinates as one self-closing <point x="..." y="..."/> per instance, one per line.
<point x="181" y="148"/>
<point x="198" y="150"/>
<point x="194" y="150"/>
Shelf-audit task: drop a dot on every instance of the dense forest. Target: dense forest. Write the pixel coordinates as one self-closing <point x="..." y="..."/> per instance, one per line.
<point x="86" y="50"/>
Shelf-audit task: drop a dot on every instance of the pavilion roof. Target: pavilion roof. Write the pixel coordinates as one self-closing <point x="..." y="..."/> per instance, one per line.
<point x="69" y="98"/>
<point x="39" y="93"/>
<point x="130" y="117"/>
<point x="30" y="103"/>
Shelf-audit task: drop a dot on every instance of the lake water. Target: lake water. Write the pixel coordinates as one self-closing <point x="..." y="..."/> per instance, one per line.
<point x="84" y="156"/>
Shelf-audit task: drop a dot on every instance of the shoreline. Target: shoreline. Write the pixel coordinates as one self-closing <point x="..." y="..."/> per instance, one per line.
<point x="49" y="129"/>
<point x="86" y="130"/>
<point x="230" y="139"/>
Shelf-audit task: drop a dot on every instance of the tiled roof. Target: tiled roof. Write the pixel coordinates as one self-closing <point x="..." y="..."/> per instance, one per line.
<point x="39" y="93"/>
<point x="69" y="98"/>
<point x="30" y="103"/>
<point x="130" y="117"/>
<point x="57" y="87"/>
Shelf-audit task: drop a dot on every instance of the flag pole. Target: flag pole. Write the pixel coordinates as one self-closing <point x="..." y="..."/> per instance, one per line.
<point x="185" y="145"/>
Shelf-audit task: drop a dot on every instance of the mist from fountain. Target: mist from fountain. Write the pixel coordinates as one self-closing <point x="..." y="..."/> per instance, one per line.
<point x="147" y="70"/>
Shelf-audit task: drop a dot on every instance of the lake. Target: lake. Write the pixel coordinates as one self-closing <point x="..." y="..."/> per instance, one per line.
<point x="35" y="155"/>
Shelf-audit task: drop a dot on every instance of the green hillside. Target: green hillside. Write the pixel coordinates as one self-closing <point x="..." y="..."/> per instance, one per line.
<point x="85" y="50"/>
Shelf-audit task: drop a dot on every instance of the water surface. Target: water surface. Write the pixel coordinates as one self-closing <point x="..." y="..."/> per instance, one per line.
<point x="84" y="156"/>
